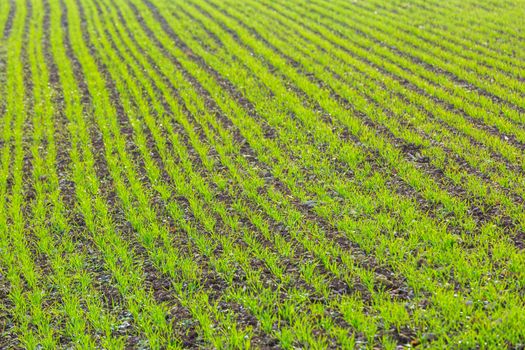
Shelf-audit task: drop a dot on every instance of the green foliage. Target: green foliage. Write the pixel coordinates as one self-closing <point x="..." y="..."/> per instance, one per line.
<point x="225" y="174"/>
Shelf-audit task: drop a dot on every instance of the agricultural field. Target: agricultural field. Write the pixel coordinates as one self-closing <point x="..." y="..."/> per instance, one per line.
<point x="226" y="174"/>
